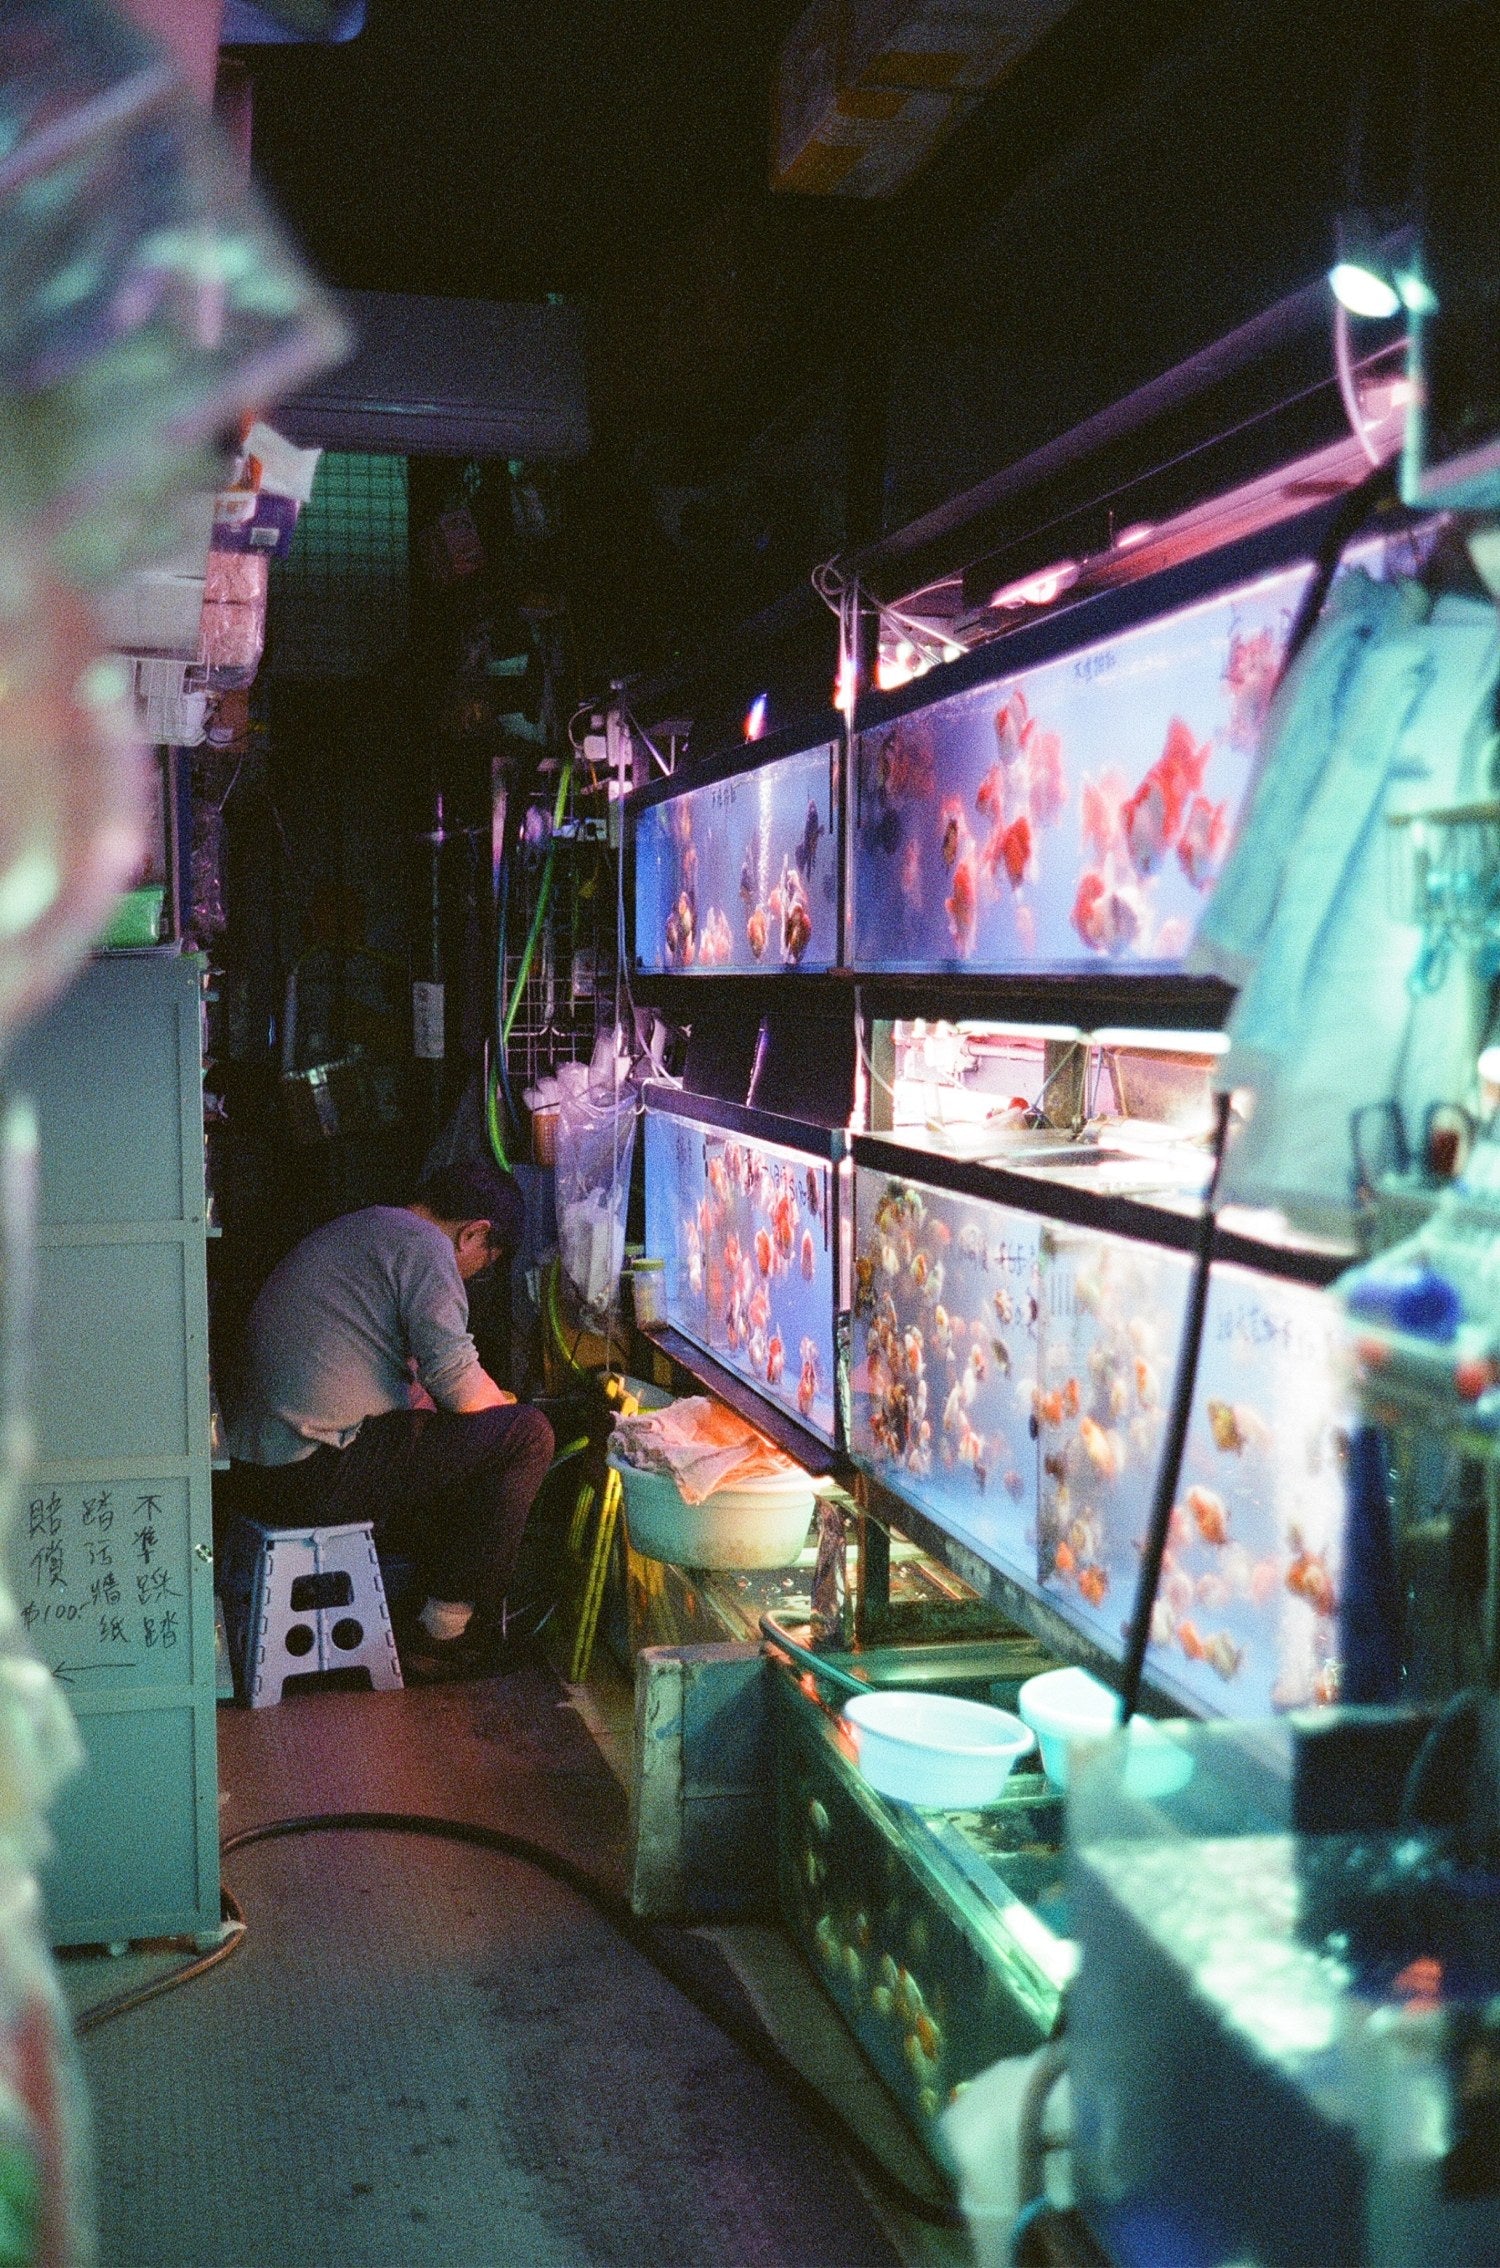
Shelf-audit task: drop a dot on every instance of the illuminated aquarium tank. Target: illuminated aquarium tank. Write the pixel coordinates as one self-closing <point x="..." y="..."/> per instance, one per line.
<point x="1247" y="1614"/>
<point x="746" y="1230"/>
<point x="944" y="1361"/>
<point x="741" y="874"/>
<point x="1075" y="814"/>
<point x="1011" y="1378"/>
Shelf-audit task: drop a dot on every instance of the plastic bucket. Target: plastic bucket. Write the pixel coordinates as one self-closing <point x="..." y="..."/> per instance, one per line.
<point x="762" y="1525"/>
<point x="1067" y="1705"/>
<point x="935" y="1750"/>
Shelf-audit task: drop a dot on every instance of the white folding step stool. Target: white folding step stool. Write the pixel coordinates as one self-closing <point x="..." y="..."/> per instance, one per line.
<point x="303" y="1600"/>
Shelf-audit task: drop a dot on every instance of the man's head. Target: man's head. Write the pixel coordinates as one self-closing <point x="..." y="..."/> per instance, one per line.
<point x="479" y="1206"/>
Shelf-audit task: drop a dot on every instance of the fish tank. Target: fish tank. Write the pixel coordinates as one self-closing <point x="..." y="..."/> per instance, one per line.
<point x="944" y="1361"/>
<point x="1010" y="1378"/>
<point x="746" y="1225"/>
<point x="1073" y="813"/>
<point x="738" y="873"/>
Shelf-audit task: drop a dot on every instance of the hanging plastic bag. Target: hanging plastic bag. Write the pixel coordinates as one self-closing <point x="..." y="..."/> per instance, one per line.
<point x="596" y="1122"/>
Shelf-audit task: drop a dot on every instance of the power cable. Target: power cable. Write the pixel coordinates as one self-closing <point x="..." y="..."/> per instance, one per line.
<point x="648" y="1939"/>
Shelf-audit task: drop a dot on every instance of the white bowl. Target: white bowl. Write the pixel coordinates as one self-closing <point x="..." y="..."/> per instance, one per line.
<point x="929" y="1748"/>
<point x="1066" y="1705"/>
<point x="762" y="1525"/>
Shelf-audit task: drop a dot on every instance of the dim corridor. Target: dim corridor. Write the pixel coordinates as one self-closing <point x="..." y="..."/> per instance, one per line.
<point x="427" y="2053"/>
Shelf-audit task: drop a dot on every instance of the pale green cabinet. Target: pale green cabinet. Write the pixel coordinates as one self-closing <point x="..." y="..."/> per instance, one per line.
<point x="112" y="1555"/>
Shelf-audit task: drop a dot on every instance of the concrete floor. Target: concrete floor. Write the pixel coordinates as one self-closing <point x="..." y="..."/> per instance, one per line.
<point x="258" y="2116"/>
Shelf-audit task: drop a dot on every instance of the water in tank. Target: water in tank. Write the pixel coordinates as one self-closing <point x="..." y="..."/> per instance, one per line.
<point x="741" y="873"/>
<point x="747" y="1233"/>
<point x="1074" y="814"/>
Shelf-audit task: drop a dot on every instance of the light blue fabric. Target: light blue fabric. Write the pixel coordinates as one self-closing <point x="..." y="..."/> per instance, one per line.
<point x="1387" y="712"/>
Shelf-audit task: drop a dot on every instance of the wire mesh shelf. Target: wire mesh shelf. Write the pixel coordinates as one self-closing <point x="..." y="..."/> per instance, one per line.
<point x="1444" y="876"/>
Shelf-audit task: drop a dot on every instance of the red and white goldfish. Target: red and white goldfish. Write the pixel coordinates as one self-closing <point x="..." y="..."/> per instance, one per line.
<point x="1099" y="814"/>
<point x="1250" y="674"/>
<point x="1014" y="848"/>
<point x="1205" y="833"/>
<point x="763" y="1251"/>
<point x="807" y="1384"/>
<point x="757" y="931"/>
<point x="1152" y="817"/>
<point x="1106" y="915"/>
<point x="1308" y="1577"/>
<point x="775" y="1359"/>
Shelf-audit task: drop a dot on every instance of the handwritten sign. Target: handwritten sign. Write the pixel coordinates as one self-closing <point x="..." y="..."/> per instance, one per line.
<point x="101" y="1576"/>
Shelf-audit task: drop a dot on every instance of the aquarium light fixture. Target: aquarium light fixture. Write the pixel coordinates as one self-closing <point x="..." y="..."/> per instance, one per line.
<point x="1488" y="1066"/>
<point x="1042" y="589"/>
<point x="755" y="717"/>
<point x="1129" y="538"/>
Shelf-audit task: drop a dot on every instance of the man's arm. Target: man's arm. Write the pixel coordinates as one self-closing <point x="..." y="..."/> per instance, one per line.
<point x="475" y="1390"/>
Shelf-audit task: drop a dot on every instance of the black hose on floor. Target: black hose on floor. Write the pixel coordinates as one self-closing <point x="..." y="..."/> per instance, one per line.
<point x="647" y="1938"/>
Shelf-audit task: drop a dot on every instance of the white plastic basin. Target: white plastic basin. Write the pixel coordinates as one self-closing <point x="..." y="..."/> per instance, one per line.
<point x="932" y="1749"/>
<point x="1065" y="1705"/>
<point x="762" y="1525"/>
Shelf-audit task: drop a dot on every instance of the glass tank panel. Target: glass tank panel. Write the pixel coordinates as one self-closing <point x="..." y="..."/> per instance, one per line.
<point x="1111" y="1316"/>
<point x="944" y="1361"/>
<point x="746" y="1230"/>
<point x="1074" y="815"/>
<point x="1246" y="1619"/>
<point x="742" y="873"/>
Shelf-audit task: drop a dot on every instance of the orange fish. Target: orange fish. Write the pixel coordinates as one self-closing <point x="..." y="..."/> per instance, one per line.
<point x="1099" y="1448"/>
<point x="990" y="798"/>
<point x="1105" y="916"/>
<point x="1063" y="1560"/>
<point x="1152" y="817"/>
<point x="775" y="1359"/>
<point x="1190" y="1642"/>
<point x="1071" y="1398"/>
<point x="1211" y="1515"/>
<point x="759" y="1310"/>
<point x="1050" y="1407"/>
<point x="962" y="908"/>
<point x="1308" y="1578"/>
<point x="1014" y="727"/>
<point x="763" y="1252"/>
<point x="784" y="1223"/>
<point x="1016" y="850"/>
<point x="756" y="930"/>
<point x="1093" y="1582"/>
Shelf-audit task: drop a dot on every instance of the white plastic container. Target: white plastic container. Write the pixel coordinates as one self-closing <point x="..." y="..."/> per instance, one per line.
<point x="1065" y="1705"/>
<point x="932" y="1749"/>
<point x="762" y="1525"/>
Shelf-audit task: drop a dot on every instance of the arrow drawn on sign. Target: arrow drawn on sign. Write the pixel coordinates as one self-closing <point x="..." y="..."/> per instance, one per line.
<point x="65" y="1672"/>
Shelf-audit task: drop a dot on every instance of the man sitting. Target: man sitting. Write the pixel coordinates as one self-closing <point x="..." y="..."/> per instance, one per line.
<point x="325" y="1431"/>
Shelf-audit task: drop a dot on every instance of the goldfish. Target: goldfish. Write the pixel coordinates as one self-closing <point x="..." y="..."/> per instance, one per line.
<point x="1147" y="1385"/>
<point x="1211" y="1515"/>
<point x="718" y="1179"/>
<point x="940" y="1232"/>
<point x="954" y="1418"/>
<point x="1190" y="1642"/>
<point x="759" y="1309"/>
<point x="806" y="852"/>
<point x="784" y="1223"/>
<point x="796" y="920"/>
<point x="1001" y="1353"/>
<point x="962" y="908"/>
<point x="732" y="1254"/>
<point x="864" y="1284"/>
<point x="1014" y="850"/>
<point x="1071" y="1398"/>
<point x="1308" y="1577"/>
<point x="763" y="1251"/>
<point x="1100" y="1448"/>
<point x="972" y="1245"/>
<point x="757" y="1352"/>
<point x="1152" y="817"/>
<point x="1326" y="1685"/>
<point x="1250" y="674"/>
<point x="1004" y="1306"/>
<point x="1062" y="1559"/>
<point x="775" y="1359"/>
<point x="809" y="1256"/>
<point x="1013" y="727"/>
<point x="1106" y="916"/>
<point x="807" y="1384"/>
<point x="1205" y="831"/>
<point x="1099" y="818"/>
<point x="1093" y="1582"/>
<point x="990" y="796"/>
<point x="757" y="931"/>
<point x="977" y="1364"/>
<point x="1049" y="1407"/>
<point x="1264" y="1577"/>
<point x="1014" y="1486"/>
<point x="912" y="1346"/>
<point x="1224" y="1656"/>
<point x="952" y="834"/>
<point x="812" y="1191"/>
<point x="1048" y="786"/>
<point x="919" y="1267"/>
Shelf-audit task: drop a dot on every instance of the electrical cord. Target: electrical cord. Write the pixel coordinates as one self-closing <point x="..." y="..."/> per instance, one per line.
<point x="104" y="2011"/>
<point x="648" y="1939"/>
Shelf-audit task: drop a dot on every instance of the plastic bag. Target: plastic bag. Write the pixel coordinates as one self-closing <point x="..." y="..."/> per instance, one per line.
<point x="596" y="1123"/>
